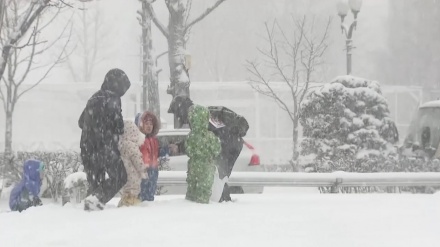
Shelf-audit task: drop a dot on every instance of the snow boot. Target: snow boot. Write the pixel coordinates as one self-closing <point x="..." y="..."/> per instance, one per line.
<point x="123" y="201"/>
<point x="92" y="203"/>
<point x="134" y="200"/>
<point x="129" y="200"/>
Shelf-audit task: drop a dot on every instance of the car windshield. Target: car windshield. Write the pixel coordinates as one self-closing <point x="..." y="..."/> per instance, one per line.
<point x="428" y="117"/>
<point x="165" y="140"/>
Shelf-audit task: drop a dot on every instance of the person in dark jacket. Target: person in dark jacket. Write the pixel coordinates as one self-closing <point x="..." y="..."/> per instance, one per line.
<point x="26" y="193"/>
<point x="102" y="124"/>
<point x="227" y="125"/>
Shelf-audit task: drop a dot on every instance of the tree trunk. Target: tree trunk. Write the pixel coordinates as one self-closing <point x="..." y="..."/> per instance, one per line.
<point x="150" y="90"/>
<point x="179" y="77"/>
<point x="8" y="156"/>
<point x="85" y="73"/>
<point x="295" y="153"/>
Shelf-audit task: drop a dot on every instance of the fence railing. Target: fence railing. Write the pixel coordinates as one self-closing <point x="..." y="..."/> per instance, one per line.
<point x="334" y="180"/>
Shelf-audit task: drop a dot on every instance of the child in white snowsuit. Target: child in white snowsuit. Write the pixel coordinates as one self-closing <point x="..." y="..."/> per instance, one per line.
<point x="129" y="144"/>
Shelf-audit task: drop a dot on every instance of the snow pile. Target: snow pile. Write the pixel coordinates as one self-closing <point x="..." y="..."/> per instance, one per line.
<point x="74" y="179"/>
<point x="283" y="219"/>
<point x="5" y="192"/>
<point x="75" y="187"/>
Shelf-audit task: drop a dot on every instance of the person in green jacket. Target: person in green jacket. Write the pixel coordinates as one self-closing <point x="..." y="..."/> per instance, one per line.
<point x="202" y="147"/>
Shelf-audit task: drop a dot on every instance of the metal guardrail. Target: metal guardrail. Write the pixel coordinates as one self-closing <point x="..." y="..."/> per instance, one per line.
<point x="336" y="179"/>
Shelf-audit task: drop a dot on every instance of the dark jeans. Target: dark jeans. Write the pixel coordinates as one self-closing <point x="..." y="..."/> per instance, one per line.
<point x="149" y="186"/>
<point x="225" y="164"/>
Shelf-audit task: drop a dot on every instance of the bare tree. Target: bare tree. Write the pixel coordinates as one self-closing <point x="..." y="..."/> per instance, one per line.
<point x="90" y="36"/>
<point x="291" y="61"/>
<point x="150" y="87"/>
<point x="20" y="29"/>
<point x="179" y="26"/>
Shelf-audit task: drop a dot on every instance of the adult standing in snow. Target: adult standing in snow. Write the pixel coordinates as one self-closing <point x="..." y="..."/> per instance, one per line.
<point x="227" y="125"/>
<point x="26" y="193"/>
<point x="102" y="124"/>
<point x="202" y="147"/>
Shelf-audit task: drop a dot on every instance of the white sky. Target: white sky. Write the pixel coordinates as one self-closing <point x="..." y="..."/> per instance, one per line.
<point x="215" y="42"/>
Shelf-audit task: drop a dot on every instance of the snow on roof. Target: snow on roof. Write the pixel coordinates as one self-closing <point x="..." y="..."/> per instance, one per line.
<point x="435" y="103"/>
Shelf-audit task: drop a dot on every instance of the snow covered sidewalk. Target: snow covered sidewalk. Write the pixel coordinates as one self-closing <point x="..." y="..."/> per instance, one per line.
<point x="268" y="220"/>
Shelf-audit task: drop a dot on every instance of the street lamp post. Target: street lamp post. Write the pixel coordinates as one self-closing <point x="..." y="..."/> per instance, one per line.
<point x="355" y="6"/>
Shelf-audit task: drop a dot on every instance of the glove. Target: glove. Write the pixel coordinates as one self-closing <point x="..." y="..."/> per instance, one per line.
<point x="37" y="202"/>
<point x="21" y="206"/>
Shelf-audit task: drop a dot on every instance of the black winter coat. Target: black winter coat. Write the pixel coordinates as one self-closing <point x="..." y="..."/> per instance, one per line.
<point x="102" y="123"/>
<point x="231" y="137"/>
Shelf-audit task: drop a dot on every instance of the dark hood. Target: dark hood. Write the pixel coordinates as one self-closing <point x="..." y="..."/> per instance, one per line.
<point x="116" y="81"/>
<point x="179" y="106"/>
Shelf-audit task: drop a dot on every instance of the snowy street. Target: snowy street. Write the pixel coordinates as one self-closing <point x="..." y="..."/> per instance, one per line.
<point x="275" y="218"/>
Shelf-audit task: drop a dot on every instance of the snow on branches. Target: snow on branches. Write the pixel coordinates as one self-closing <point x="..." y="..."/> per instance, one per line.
<point x="346" y="123"/>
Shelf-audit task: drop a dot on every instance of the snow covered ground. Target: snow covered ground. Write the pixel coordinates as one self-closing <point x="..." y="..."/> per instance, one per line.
<point x="275" y="218"/>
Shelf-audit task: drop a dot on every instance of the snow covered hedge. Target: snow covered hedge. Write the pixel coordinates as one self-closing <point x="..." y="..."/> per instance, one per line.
<point x="75" y="187"/>
<point x="347" y="127"/>
<point x="58" y="165"/>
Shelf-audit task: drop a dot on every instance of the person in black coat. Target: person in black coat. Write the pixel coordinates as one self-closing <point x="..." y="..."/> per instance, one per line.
<point x="102" y="124"/>
<point x="227" y="125"/>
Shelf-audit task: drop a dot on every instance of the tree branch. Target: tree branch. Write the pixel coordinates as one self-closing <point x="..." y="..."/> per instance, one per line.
<point x="315" y="52"/>
<point x="26" y="20"/>
<point x="59" y="59"/>
<point x="31" y="59"/>
<point x="188" y="10"/>
<point x="203" y="15"/>
<point x="160" y="55"/>
<point x="303" y="54"/>
<point x="35" y="53"/>
<point x="51" y="20"/>
<point x="2" y="97"/>
<point x="274" y="56"/>
<point x="253" y="69"/>
<point x="154" y="18"/>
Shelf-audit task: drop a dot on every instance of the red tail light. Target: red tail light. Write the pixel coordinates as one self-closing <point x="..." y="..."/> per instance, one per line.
<point x="255" y="160"/>
<point x="249" y="146"/>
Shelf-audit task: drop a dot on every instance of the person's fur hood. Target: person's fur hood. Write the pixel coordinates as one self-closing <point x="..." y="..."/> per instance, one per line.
<point x="156" y="124"/>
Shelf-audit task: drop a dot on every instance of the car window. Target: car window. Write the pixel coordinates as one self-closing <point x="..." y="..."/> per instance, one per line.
<point x="165" y="140"/>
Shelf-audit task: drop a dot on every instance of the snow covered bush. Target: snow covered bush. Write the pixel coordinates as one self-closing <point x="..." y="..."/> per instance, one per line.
<point x="347" y="127"/>
<point x="75" y="187"/>
<point x="58" y="164"/>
